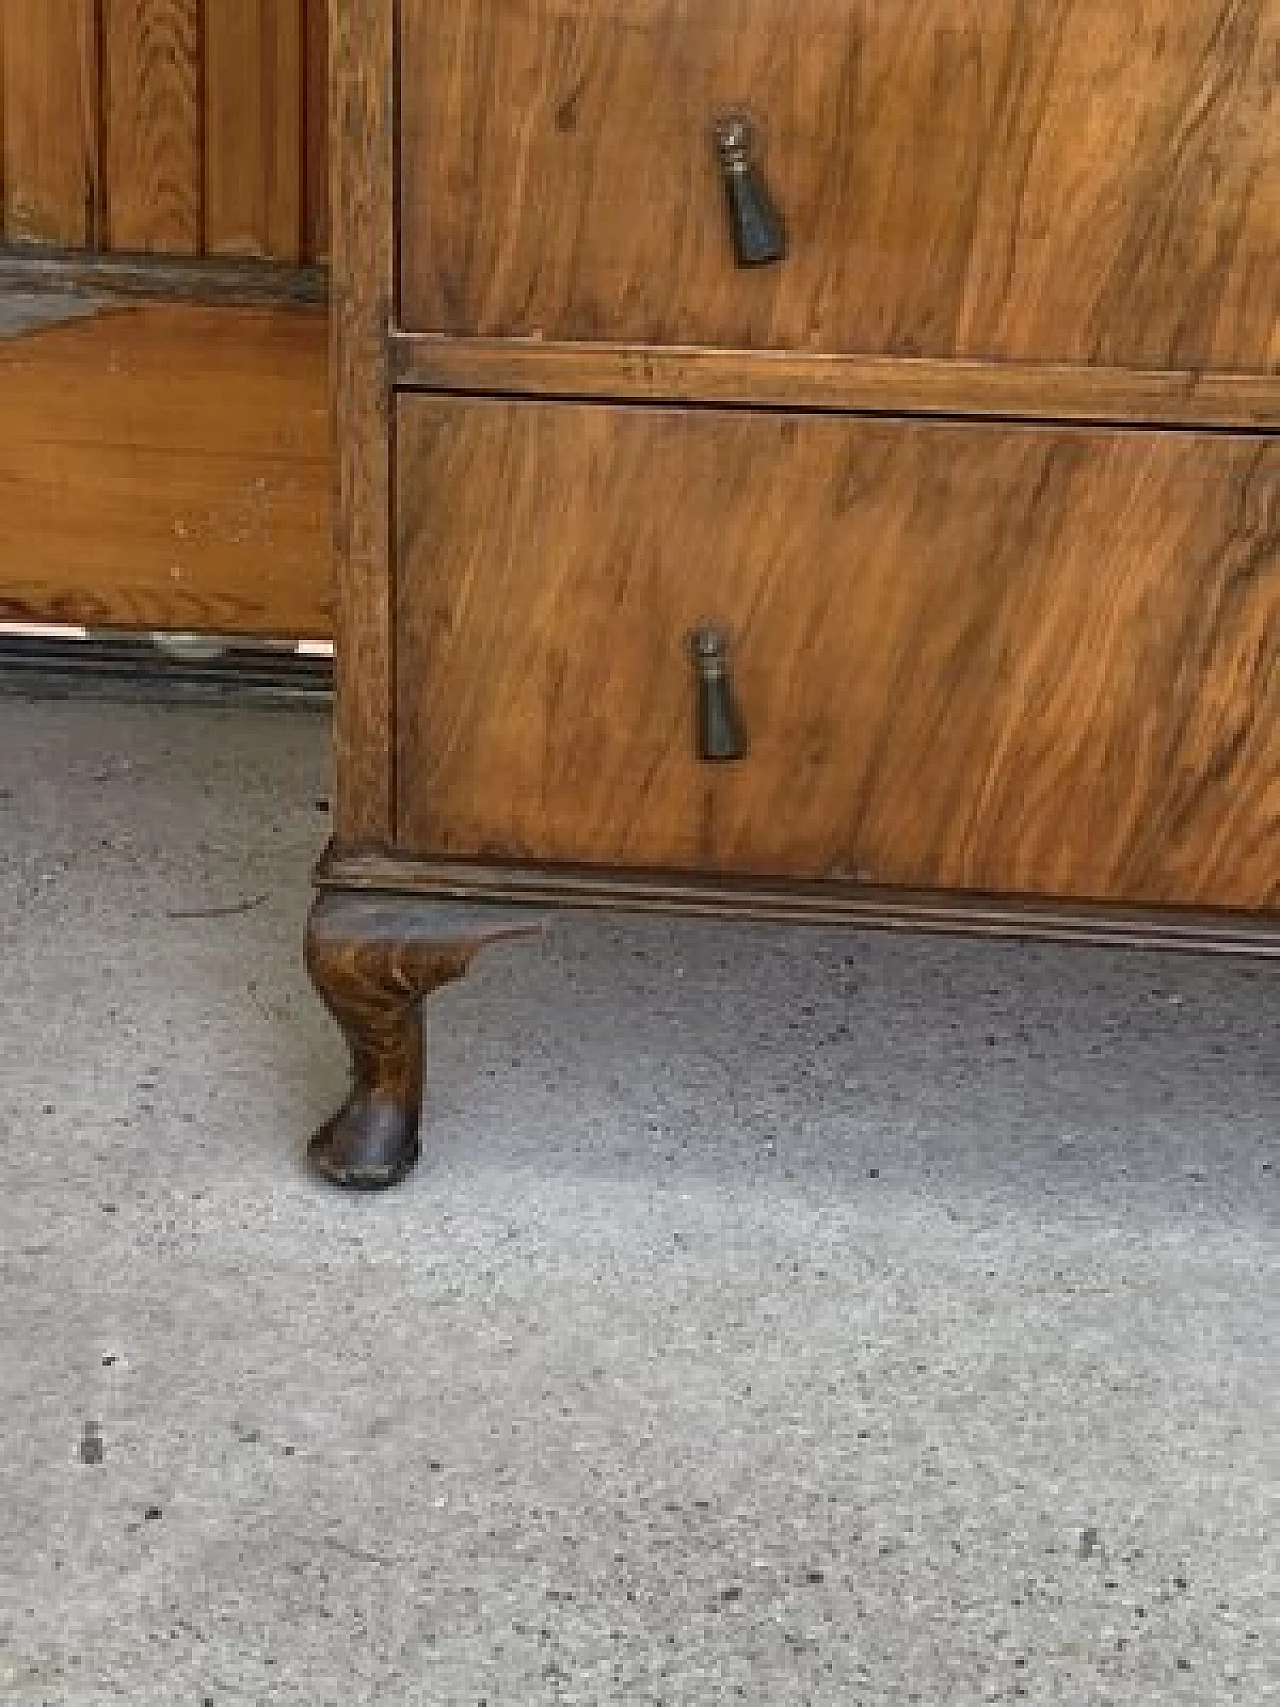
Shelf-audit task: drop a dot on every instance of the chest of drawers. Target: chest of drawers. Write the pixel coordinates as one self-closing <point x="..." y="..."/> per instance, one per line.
<point x="807" y="461"/>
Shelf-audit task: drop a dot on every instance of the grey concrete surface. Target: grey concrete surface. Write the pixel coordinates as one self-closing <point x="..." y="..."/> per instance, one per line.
<point x="779" y="1316"/>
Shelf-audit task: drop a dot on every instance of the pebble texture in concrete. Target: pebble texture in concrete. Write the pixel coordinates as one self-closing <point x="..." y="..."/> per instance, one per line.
<point x="780" y="1317"/>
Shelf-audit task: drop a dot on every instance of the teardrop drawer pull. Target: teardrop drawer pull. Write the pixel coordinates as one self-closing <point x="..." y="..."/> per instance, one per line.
<point x="721" y="735"/>
<point x="754" y="221"/>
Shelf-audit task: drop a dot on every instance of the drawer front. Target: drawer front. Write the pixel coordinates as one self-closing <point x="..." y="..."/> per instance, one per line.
<point x="1077" y="181"/>
<point x="987" y="658"/>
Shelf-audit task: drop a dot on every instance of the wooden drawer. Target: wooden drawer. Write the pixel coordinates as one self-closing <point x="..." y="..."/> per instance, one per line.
<point x="1071" y="181"/>
<point x="999" y="659"/>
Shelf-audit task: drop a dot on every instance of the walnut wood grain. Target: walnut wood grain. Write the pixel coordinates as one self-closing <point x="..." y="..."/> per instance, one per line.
<point x="516" y="367"/>
<point x="1008" y="660"/>
<point x="360" y="123"/>
<point x="373" y="959"/>
<point x="1076" y="181"/>
<point x="152" y="125"/>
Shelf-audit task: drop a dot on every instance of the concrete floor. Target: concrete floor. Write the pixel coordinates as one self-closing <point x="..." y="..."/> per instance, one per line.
<point x="779" y="1316"/>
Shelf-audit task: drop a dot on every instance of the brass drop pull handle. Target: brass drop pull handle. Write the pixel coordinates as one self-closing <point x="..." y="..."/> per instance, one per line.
<point x="754" y="221"/>
<point x="721" y="735"/>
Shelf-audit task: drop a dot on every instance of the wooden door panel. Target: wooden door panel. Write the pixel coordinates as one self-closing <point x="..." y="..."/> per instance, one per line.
<point x="1082" y="181"/>
<point x="137" y="126"/>
<point x="997" y="659"/>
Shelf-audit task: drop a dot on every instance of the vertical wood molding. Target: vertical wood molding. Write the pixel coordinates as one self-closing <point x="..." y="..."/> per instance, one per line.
<point x="253" y="175"/>
<point x="361" y="97"/>
<point x="49" y="111"/>
<point x="4" y="145"/>
<point x="316" y="133"/>
<point x="152" y="127"/>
